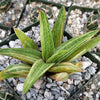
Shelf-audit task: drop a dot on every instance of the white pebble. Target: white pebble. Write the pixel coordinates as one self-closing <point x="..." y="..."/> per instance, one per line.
<point x="20" y="87"/>
<point x="86" y="64"/>
<point x="70" y="81"/>
<point x="76" y="82"/>
<point x="28" y="95"/>
<point x="54" y="8"/>
<point x="93" y="86"/>
<point x="87" y="76"/>
<point x="2" y="34"/>
<point x="99" y="84"/>
<point x="92" y="70"/>
<point x="12" y="44"/>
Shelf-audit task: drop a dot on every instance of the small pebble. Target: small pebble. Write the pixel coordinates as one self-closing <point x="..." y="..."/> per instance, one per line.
<point x="76" y="82"/>
<point x="19" y="87"/>
<point x="61" y="98"/>
<point x="47" y="94"/>
<point x="87" y="76"/>
<point x="28" y="95"/>
<point x="38" y="84"/>
<point x="86" y="64"/>
<point x="91" y="70"/>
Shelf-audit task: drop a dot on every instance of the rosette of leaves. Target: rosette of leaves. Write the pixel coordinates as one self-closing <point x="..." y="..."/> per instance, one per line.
<point x="55" y="58"/>
<point x="35" y="12"/>
<point x="4" y="5"/>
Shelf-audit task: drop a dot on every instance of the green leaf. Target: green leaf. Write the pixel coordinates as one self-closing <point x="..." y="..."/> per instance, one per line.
<point x="58" y="28"/>
<point x="70" y="46"/>
<point x="81" y="38"/>
<point x="38" y="69"/>
<point x="65" y="67"/>
<point x="23" y="54"/>
<point x="46" y="37"/>
<point x="26" y="41"/>
<point x="63" y="76"/>
<point x="19" y="70"/>
<point x="83" y="49"/>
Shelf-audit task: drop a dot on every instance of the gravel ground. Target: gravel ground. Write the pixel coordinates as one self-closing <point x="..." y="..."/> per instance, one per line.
<point x="46" y="88"/>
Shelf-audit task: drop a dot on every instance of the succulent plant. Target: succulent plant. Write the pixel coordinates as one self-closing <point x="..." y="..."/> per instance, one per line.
<point x="55" y="59"/>
<point x="4" y="5"/>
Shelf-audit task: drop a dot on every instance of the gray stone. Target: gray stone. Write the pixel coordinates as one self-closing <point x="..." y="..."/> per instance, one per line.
<point x="45" y="99"/>
<point x="33" y="91"/>
<point x="39" y="98"/>
<point x="67" y="93"/>
<point x="10" y="80"/>
<point x="28" y="95"/>
<point x="32" y="98"/>
<point x="49" y="80"/>
<point x="49" y="85"/>
<point x="80" y="85"/>
<point x="21" y="79"/>
<point x="1" y="68"/>
<point x="76" y="82"/>
<point x="91" y="70"/>
<point x="61" y="98"/>
<point x="75" y="76"/>
<point x="87" y="76"/>
<point x="86" y="64"/>
<point x="62" y="88"/>
<point x="57" y="95"/>
<point x="41" y="91"/>
<point x="55" y="89"/>
<point x="47" y="94"/>
<point x="59" y="82"/>
<point x="64" y="39"/>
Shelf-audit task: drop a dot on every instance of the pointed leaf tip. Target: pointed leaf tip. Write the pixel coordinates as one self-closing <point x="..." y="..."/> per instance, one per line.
<point x="25" y="40"/>
<point x="58" y="27"/>
<point x="46" y="37"/>
<point x="23" y="54"/>
<point x="63" y="76"/>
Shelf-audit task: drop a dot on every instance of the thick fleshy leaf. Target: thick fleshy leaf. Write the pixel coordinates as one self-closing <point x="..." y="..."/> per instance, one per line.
<point x="81" y="38"/>
<point x="83" y="49"/>
<point x="46" y="37"/>
<point x="19" y="70"/>
<point x="58" y="28"/>
<point x="38" y="69"/>
<point x="26" y="41"/>
<point x="70" y="46"/>
<point x="23" y="54"/>
<point x="65" y="67"/>
<point x="63" y="76"/>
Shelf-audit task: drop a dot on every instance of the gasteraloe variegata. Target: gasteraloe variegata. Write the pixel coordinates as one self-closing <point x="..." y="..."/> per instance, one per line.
<point x="56" y="57"/>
